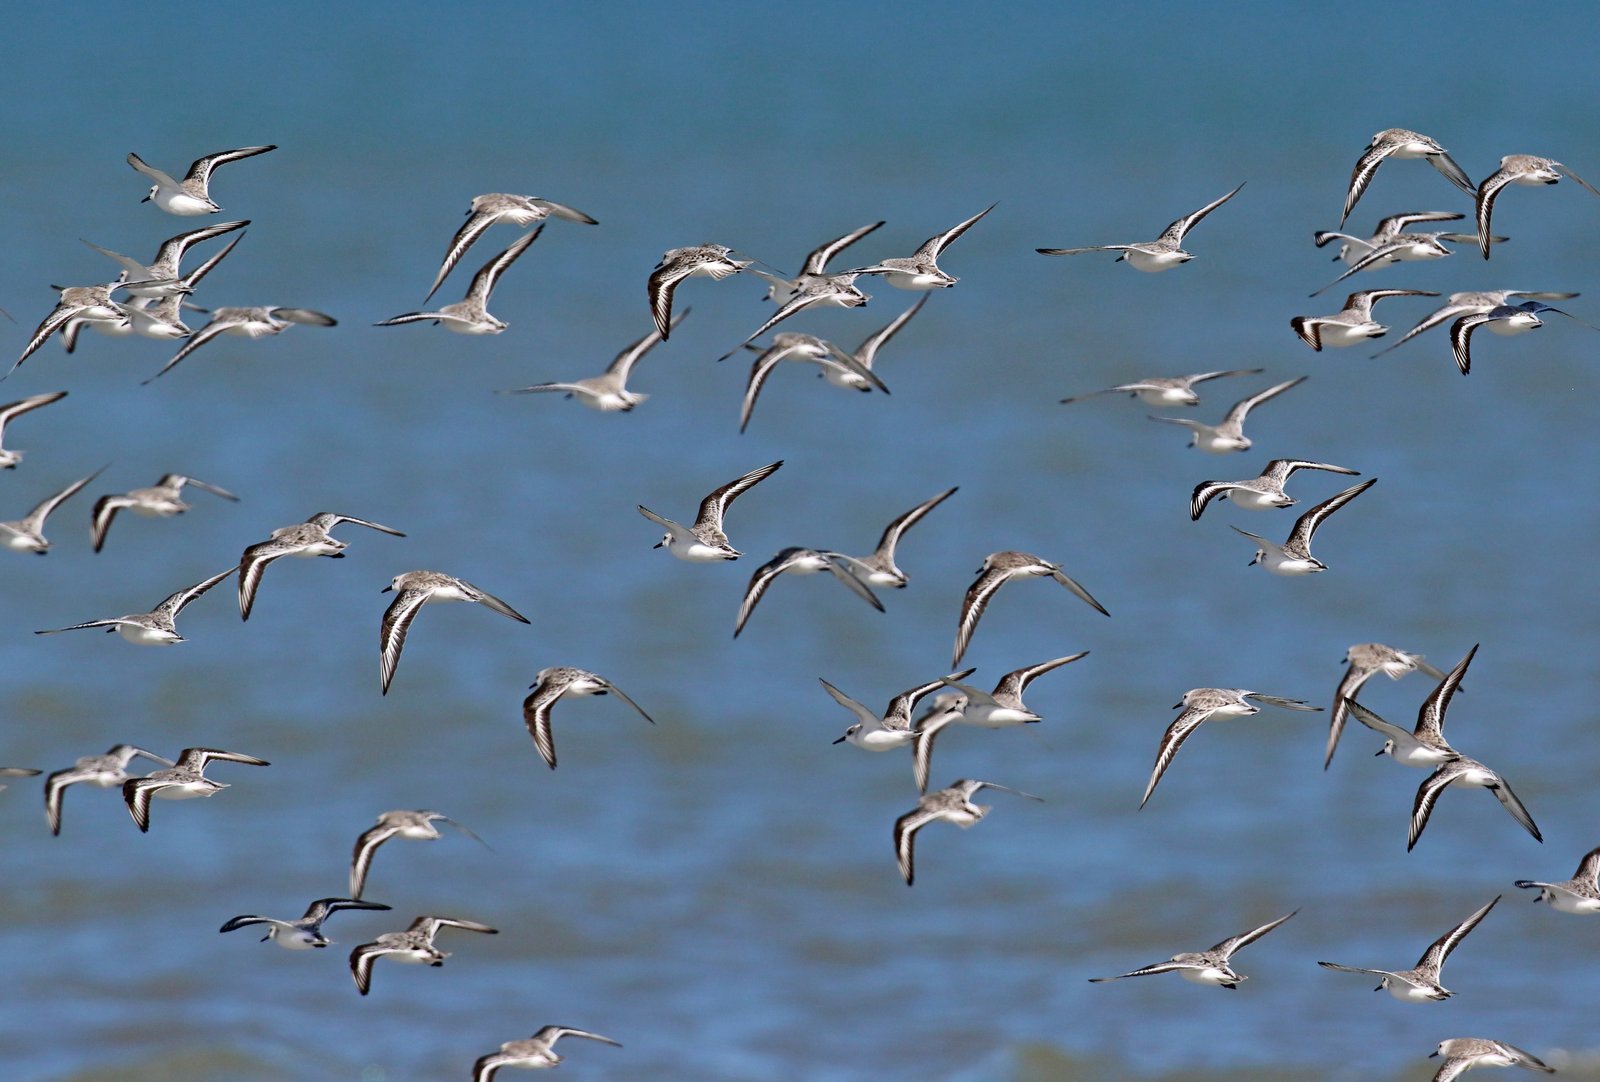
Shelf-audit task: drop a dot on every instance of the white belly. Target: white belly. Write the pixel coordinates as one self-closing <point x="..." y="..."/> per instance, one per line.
<point x="696" y="552"/>
<point x="1213" y="443"/>
<point x="181" y="203"/>
<point x="1419" y="755"/>
<point x="883" y="739"/>
<point x="140" y="635"/>
<point x="1154" y="264"/>
<point x="996" y="717"/>
<point x="1279" y="564"/>
<point x="1248" y="499"/>
<point x="1339" y="335"/>
<point x="915" y="282"/>
<point x="1571" y="903"/>
<point x="1209" y="975"/>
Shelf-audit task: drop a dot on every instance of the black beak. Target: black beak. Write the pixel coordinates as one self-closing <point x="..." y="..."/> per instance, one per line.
<point x="386" y="589"/>
<point x="146" y="199"/>
<point x="1379" y="751"/>
<point x="658" y="544"/>
<point x="841" y="740"/>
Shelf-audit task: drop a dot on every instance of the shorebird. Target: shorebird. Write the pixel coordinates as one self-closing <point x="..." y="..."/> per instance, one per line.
<point x="1470" y="303"/>
<point x="920" y="271"/>
<point x="607" y="392"/>
<point x="1400" y="143"/>
<point x="164" y="277"/>
<point x="1393" y="244"/>
<point x="714" y="261"/>
<point x="306" y="932"/>
<point x="952" y="805"/>
<point x="704" y="541"/>
<point x="534" y="1053"/>
<point x="494" y="207"/>
<point x="1505" y="319"/>
<point x="410" y="825"/>
<point x="156" y="627"/>
<point x="782" y="290"/>
<point x="1468" y="773"/>
<point x="11" y="411"/>
<point x="1517" y="169"/>
<point x="414" y="946"/>
<point x="879" y="569"/>
<point x="161" y="500"/>
<point x="1163" y="253"/>
<point x="470" y="315"/>
<point x="892" y="729"/>
<point x="148" y="317"/>
<point x="17" y="772"/>
<point x="1425" y="746"/>
<point x="554" y="684"/>
<point x="1201" y="704"/>
<point x="27" y="534"/>
<point x="804" y="347"/>
<point x="183" y="781"/>
<point x="106" y="771"/>
<point x="844" y="374"/>
<point x="1260" y="493"/>
<point x="1351" y="324"/>
<point x="800" y="561"/>
<point x="191" y="195"/>
<point x="1293" y="557"/>
<point x="85" y="304"/>
<point x="303" y="539"/>
<point x="256" y="322"/>
<point x="412" y="590"/>
<point x="999" y="709"/>
<point x="1462" y="1054"/>
<point x="1366" y="660"/>
<point x="1205" y="967"/>
<point x="1421" y="983"/>
<point x="1580" y="894"/>
<point x="1227" y="435"/>
<point x="830" y="291"/>
<point x="998" y="569"/>
<point x="1165" y="390"/>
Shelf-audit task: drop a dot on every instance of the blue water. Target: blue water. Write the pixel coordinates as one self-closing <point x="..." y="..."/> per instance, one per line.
<point x="718" y="891"/>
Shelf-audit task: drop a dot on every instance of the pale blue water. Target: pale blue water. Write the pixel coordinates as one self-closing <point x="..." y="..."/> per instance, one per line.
<point x="718" y="892"/>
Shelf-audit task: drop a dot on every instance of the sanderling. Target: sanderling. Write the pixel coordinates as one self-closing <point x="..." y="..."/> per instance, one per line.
<point x="892" y="729"/>
<point x="705" y="541"/>
<point x="844" y="374"/>
<point x="714" y="261"/>
<point x="555" y="683"/>
<point x="183" y="781"/>
<point x="1293" y="557"/>
<point x="412" y="590"/>
<point x="534" y="1053"/>
<point x="156" y="627"/>
<point x="161" y="500"/>
<point x="1165" y="390"/>
<point x="494" y="207"/>
<point x="1227" y="435"/>
<point x="879" y="569"/>
<point x="952" y="805"/>
<point x="413" y="946"/>
<point x="1366" y="660"/>
<point x="1208" y="966"/>
<point x="800" y="561"/>
<point x="87" y="304"/>
<point x="191" y="195"/>
<point x="832" y="291"/>
<point x="150" y="318"/>
<point x="27" y="534"/>
<point x="1468" y="773"/>
<point x="1462" y="1054"/>
<point x="12" y="410"/>
<point x="1201" y="704"/>
<point x="303" y="539"/>
<point x="1470" y="303"/>
<point x="1505" y="319"/>
<point x="1259" y="493"/>
<point x="998" y="569"/>
<point x="410" y="825"/>
<point x="920" y="271"/>
<point x="1425" y="746"/>
<point x="1393" y="244"/>
<point x="306" y="932"/>
<point x="255" y="322"/>
<point x="804" y="347"/>
<point x="1163" y="253"/>
<point x="783" y="290"/>
<point x="607" y="392"/>
<point x="470" y="315"/>
<point x="1580" y="894"/>
<point x="1517" y="169"/>
<point x="1400" y="143"/>
<point x="1351" y="324"/>
<point x="163" y="277"/>
<point x="1420" y="984"/>
<point x="106" y="771"/>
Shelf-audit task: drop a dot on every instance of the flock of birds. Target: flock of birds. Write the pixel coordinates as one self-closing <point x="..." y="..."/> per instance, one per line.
<point x="151" y="299"/>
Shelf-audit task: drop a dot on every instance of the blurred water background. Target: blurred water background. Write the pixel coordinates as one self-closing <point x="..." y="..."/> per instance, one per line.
<point x="718" y="891"/>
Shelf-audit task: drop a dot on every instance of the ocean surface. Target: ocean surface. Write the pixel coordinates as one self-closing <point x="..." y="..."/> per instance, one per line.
<point x="718" y="891"/>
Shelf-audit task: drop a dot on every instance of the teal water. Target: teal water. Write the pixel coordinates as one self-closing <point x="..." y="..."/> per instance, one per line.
<point x="718" y="892"/>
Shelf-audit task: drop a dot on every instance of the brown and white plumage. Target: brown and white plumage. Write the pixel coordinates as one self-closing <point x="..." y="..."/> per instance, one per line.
<point x="250" y="322"/>
<point x="192" y="194"/>
<point x="1293" y="557"/>
<point x="1580" y="894"/>
<point x="494" y="207"/>
<point x="1366" y="660"/>
<point x="183" y="780"/>
<point x="879" y="568"/>
<point x="1517" y="169"/>
<point x="952" y="805"/>
<point x="470" y="315"/>
<point x="408" y="825"/>
<point x="1400" y="143"/>
<point x="1258" y="493"/>
<point x="921" y="270"/>
<point x="800" y="561"/>
<point x="91" y="304"/>
<point x="106" y="771"/>
<point x="555" y="683"/>
<point x="414" y="946"/>
<point x="412" y="590"/>
<point x="714" y="261"/>
<point x="608" y="392"/>
<point x="11" y="411"/>
<point x="1208" y="966"/>
<point x="705" y="540"/>
<point x="998" y="569"/>
<point x="161" y="500"/>
<point x="1421" y="982"/>
<point x="1163" y="253"/>
<point x="536" y="1052"/>
<point x="1351" y="324"/>
<point x="1200" y="704"/>
<point x="158" y="627"/>
<point x="1227" y="435"/>
<point x="1462" y="1054"/>
<point x="803" y="347"/>
<point x="303" y="539"/>
<point x="26" y="534"/>
<point x="305" y="932"/>
<point x="1462" y="771"/>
